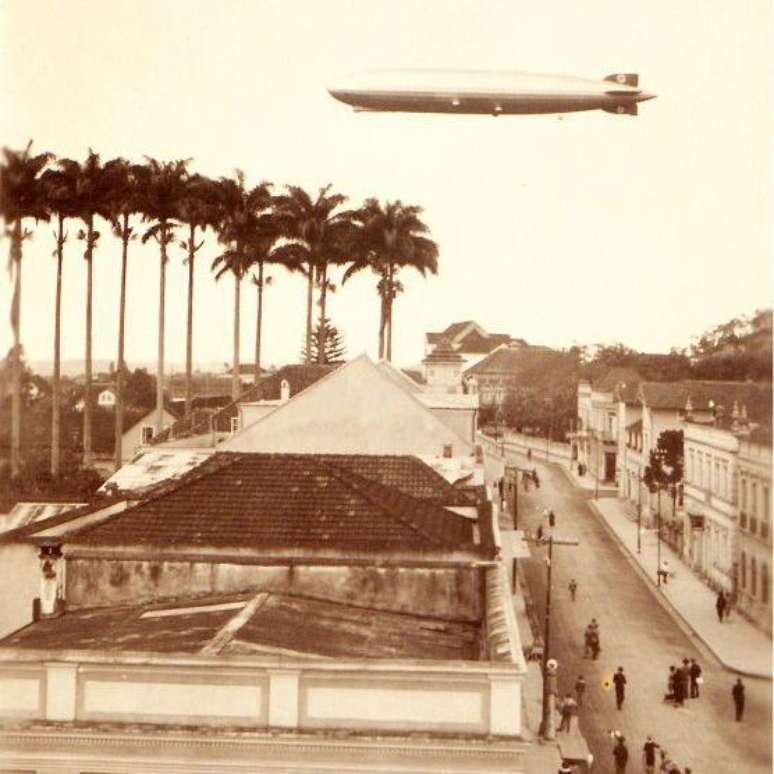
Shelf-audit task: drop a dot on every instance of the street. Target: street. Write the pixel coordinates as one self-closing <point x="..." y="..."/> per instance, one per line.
<point x="639" y="635"/>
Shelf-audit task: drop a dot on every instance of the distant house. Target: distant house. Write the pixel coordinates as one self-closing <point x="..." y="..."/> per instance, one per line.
<point x="512" y="367"/>
<point x="103" y="395"/>
<point x="469" y="339"/>
<point x="141" y="432"/>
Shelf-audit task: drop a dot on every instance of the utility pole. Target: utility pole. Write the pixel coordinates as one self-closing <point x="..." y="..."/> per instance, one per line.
<point x="547" y="730"/>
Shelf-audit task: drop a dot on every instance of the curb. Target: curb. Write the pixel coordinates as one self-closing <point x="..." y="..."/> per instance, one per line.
<point x="665" y="603"/>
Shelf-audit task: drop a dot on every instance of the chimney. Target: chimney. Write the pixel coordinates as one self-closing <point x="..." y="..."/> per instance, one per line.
<point x="447" y="451"/>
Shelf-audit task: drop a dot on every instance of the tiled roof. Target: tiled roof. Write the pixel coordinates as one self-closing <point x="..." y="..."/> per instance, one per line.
<point x="516" y="363"/>
<point x="278" y="624"/>
<point x="755" y="397"/>
<point x="298" y="377"/>
<point x="618" y="378"/>
<point x="443" y="353"/>
<point x="283" y="501"/>
<point x="473" y="343"/>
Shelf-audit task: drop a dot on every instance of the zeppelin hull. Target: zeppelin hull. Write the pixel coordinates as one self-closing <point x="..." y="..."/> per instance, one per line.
<point x="483" y="104"/>
<point x="483" y="93"/>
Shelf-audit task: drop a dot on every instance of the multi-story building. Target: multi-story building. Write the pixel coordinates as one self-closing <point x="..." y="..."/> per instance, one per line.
<point x="599" y="418"/>
<point x="753" y="550"/>
<point x="718" y="493"/>
<point x="469" y="339"/>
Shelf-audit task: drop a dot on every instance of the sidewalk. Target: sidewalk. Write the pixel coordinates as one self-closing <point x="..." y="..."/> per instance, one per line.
<point x="737" y="644"/>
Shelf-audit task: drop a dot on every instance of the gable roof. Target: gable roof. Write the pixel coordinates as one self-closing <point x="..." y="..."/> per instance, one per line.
<point x="299" y="376"/>
<point x="276" y="501"/>
<point x="522" y="363"/>
<point x="474" y="339"/>
<point x="356" y="409"/>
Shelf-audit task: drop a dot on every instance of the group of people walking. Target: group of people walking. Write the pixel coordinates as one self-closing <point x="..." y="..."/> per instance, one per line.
<point x="591" y="640"/>
<point x="683" y="682"/>
<point x="649" y="755"/>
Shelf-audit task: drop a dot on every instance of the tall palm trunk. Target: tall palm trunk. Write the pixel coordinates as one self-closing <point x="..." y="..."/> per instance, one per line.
<point x="189" y="324"/>
<point x="236" y="385"/>
<point x="321" y="329"/>
<point x="55" y="386"/>
<point x="258" y="323"/>
<point x="88" y="456"/>
<point x="16" y="256"/>
<point x="119" y="431"/>
<point x="309" y="298"/>
<point x="160" y="360"/>
<point x="390" y="297"/>
<point x="382" y="322"/>
<point x="389" y="330"/>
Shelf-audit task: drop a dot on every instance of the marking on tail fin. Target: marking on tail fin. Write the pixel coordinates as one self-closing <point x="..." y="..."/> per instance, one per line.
<point x="625" y="79"/>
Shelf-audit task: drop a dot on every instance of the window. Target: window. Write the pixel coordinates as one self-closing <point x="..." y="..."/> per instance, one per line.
<point x="147" y="433"/>
<point x="753" y="577"/>
<point x="766" y="513"/>
<point x="234" y="424"/>
<point x="743" y="570"/>
<point x="765" y="583"/>
<point x="743" y="495"/>
<point x="699" y="478"/>
<point x="691" y="467"/>
<point x="753" y="499"/>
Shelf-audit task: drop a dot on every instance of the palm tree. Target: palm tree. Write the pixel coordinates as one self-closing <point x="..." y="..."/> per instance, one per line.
<point x="60" y="186"/>
<point x="391" y="238"/>
<point x="263" y="250"/>
<point x="197" y="210"/>
<point x="162" y="186"/>
<point x="21" y="196"/>
<point x="318" y="237"/>
<point x="240" y="209"/>
<point x="123" y="202"/>
<point x="91" y="201"/>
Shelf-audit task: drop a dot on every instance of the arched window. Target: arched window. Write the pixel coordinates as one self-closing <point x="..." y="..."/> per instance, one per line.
<point x="743" y="570"/>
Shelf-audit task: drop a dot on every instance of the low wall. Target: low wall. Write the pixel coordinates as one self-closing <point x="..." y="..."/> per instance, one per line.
<point x="452" y="593"/>
<point x="518" y="443"/>
<point x="458" y="697"/>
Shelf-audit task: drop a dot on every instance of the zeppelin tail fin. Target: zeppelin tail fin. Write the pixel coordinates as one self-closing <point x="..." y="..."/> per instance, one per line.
<point x="629" y="109"/>
<point x="625" y="79"/>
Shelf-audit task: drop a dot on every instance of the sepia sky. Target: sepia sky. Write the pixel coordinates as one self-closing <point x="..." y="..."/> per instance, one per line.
<point x="591" y="228"/>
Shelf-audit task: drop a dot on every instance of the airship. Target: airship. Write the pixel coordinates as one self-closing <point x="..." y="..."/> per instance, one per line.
<point x="480" y="92"/>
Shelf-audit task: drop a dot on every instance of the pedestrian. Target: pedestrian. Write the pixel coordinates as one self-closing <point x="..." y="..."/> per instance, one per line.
<point x="567" y="710"/>
<point x="580" y="689"/>
<point x="685" y="677"/>
<point x="595" y="645"/>
<point x="737" y="692"/>
<point x="695" y="679"/>
<point x="525" y="479"/>
<point x="535" y="478"/>
<point x="649" y="755"/>
<point x="720" y="605"/>
<point x="670" y="694"/>
<point x="573" y="587"/>
<point x="529" y="455"/>
<point x="620" y="755"/>
<point x="619" y="680"/>
<point x="679" y="689"/>
<point x="587" y="637"/>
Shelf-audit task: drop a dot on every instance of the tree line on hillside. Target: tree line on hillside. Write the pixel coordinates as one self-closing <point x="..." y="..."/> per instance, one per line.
<point x="310" y="234"/>
<point x="738" y="350"/>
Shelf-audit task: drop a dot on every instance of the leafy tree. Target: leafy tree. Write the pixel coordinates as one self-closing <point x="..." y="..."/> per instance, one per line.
<point x="665" y="465"/>
<point x="21" y="196"/>
<point x="334" y="350"/>
<point x="140" y="389"/>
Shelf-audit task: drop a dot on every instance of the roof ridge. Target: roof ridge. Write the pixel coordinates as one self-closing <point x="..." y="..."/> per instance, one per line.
<point x="209" y="467"/>
<point x="361" y="485"/>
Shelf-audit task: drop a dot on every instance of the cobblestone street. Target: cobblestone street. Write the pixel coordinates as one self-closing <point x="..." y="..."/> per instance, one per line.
<point x="638" y="634"/>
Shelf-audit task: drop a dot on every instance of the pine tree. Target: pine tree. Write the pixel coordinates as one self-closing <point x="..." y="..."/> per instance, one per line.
<point x="334" y="349"/>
